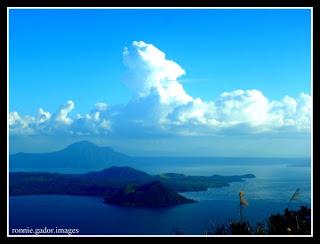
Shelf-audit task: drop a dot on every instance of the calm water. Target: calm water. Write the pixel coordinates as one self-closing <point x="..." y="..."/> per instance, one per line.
<point x="266" y="194"/>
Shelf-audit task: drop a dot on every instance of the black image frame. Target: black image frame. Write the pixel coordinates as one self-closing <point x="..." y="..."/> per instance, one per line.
<point x="315" y="4"/>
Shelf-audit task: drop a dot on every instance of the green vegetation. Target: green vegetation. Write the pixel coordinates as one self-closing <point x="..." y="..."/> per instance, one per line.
<point x="291" y="222"/>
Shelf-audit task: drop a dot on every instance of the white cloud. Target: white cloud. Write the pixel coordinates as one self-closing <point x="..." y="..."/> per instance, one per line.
<point x="100" y="106"/>
<point x="149" y="70"/>
<point x="290" y="112"/>
<point x="195" y="111"/>
<point x="105" y="124"/>
<point x="239" y="106"/>
<point x="43" y="115"/>
<point x="62" y="115"/>
<point x="20" y="125"/>
<point x="60" y="122"/>
<point x="14" y="118"/>
<point x="161" y="105"/>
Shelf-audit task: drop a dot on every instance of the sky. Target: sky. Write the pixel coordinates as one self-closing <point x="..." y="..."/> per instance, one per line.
<point x="161" y="82"/>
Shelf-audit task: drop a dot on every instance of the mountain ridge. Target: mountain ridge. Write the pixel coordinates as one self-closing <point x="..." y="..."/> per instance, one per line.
<point x="83" y="154"/>
<point x="22" y="183"/>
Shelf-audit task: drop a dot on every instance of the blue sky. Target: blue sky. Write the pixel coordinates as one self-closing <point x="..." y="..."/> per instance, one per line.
<point x="62" y="55"/>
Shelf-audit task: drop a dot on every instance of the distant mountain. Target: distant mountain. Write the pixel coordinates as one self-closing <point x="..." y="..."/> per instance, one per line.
<point x="154" y="194"/>
<point x="78" y="155"/>
<point x="115" y="173"/>
<point x="117" y="176"/>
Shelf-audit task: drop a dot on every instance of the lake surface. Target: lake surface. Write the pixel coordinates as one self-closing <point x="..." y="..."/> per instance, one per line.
<point x="268" y="193"/>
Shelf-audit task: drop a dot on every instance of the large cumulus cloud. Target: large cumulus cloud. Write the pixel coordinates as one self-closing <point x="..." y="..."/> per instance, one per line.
<point x="160" y="105"/>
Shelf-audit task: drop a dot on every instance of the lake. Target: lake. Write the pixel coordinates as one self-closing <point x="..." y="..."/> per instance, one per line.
<point x="268" y="193"/>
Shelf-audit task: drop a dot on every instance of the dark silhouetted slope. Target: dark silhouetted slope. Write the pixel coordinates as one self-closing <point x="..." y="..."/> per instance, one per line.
<point x="117" y="176"/>
<point x="154" y="194"/>
<point x="99" y="182"/>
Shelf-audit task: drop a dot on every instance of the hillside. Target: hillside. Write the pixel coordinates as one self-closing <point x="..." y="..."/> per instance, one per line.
<point x="108" y="180"/>
<point x="184" y="183"/>
<point x="78" y="155"/>
<point x="154" y="194"/>
<point x="116" y="176"/>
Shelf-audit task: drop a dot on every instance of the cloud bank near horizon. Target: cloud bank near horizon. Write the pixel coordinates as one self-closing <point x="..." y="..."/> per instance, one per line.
<point x="161" y="106"/>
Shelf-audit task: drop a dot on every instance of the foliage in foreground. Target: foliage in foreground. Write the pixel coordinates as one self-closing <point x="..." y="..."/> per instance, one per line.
<point x="291" y="222"/>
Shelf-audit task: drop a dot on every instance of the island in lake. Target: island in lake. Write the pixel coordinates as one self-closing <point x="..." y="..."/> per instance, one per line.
<point x="154" y="194"/>
<point x="123" y="186"/>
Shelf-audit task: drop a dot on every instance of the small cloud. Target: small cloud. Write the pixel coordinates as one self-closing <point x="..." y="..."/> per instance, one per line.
<point x="43" y="115"/>
<point x="62" y="115"/>
<point x="100" y="106"/>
